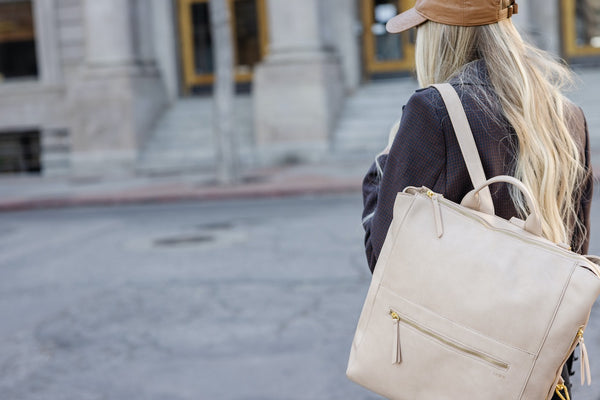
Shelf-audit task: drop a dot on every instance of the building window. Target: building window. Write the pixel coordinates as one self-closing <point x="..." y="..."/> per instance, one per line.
<point x="17" y="41"/>
<point x="581" y="28"/>
<point x="20" y="152"/>
<point x="203" y="55"/>
<point x="249" y="37"/>
<point x="588" y="23"/>
<point x="385" y="52"/>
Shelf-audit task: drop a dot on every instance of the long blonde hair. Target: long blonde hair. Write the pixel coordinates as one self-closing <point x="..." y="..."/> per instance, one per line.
<point x="528" y="84"/>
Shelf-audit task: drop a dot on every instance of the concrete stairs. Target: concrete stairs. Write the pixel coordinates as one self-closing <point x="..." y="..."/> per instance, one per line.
<point x="182" y="140"/>
<point x="368" y="115"/>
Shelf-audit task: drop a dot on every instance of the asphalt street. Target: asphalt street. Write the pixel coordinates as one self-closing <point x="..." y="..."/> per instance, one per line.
<point x="228" y="300"/>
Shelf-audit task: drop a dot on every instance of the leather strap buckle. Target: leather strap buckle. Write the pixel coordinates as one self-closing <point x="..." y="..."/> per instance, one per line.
<point x="512" y="9"/>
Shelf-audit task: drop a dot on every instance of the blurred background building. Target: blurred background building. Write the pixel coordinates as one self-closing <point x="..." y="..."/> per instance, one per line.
<point x="113" y="86"/>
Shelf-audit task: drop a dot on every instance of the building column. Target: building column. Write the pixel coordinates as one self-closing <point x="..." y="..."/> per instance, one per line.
<point x="347" y="29"/>
<point x="298" y="89"/>
<point x="165" y="40"/>
<point x="109" y="32"/>
<point x="117" y="93"/>
<point x="47" y="48"/>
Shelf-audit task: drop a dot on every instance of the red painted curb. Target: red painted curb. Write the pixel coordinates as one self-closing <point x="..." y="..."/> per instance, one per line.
<point x="239" y="192"/>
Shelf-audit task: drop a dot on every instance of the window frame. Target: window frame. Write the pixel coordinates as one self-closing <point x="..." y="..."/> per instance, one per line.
<point x="372" y="65"/>
<point x="569" y="35"/>
<point x="190" y="77"/>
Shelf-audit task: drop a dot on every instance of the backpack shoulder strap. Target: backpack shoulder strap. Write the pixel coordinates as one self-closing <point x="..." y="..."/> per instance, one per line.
<point x="463" y="132"/>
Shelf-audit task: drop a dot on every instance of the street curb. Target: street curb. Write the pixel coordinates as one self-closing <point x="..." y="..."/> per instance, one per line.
<point x="208" y="194"/>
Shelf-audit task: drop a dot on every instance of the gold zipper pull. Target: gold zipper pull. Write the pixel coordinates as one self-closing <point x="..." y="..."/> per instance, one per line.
<point x="437" y="214"/>
<point x="584" y="360"/>
<point x="396" y="353"/>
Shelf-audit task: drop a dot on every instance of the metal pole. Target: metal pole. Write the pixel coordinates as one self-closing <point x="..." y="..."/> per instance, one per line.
<point x="224" y="93"/>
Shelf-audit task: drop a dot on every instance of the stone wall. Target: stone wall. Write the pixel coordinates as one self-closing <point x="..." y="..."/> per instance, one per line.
<point x="71" y="34"/>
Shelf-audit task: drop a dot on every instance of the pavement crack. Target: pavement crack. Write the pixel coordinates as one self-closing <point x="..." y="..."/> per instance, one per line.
<point x="305" y="312"/>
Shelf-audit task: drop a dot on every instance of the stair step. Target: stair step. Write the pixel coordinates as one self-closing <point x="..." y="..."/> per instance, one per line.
<point x="182" y="140"/>
<point x="367" y="117"/>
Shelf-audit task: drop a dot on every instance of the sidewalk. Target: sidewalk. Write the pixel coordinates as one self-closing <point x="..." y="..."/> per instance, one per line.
<point x="344" y="174"/>
<point x="25" y="192"/>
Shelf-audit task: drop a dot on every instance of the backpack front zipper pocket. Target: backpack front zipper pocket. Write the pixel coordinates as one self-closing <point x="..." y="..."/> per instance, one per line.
<point x="397" y="352"/>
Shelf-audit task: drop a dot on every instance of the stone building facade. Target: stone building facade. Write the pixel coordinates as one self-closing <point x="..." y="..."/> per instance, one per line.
<point x="104" y="72"/>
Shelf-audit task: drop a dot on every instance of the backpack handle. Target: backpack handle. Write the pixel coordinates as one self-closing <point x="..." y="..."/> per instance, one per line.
<point x="533" y="223"/>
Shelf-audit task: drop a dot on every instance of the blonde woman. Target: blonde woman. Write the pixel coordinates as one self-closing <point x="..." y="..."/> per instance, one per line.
<point x="522" y="124"/>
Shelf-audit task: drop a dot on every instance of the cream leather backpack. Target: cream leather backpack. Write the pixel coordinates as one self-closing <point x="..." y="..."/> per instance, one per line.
<point x="466" y="305"/>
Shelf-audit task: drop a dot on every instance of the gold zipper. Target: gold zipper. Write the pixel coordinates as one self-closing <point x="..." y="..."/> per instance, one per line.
<point x="578" y="337"/>
<point x="437" y="214"/>
<point x="429" y="193"/>
<point x="562" y="388"/>
<point x="396" y="317"/>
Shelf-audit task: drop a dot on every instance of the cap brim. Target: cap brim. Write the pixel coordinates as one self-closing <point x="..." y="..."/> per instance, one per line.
<point x="402" y="22"/>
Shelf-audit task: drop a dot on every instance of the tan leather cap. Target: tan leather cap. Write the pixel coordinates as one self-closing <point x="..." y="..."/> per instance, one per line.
<point x="453" y="12"/>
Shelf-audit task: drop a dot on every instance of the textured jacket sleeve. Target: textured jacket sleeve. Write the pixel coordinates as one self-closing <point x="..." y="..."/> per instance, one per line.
<point x="416" y="158"/>
<point x="370" y="189"/>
